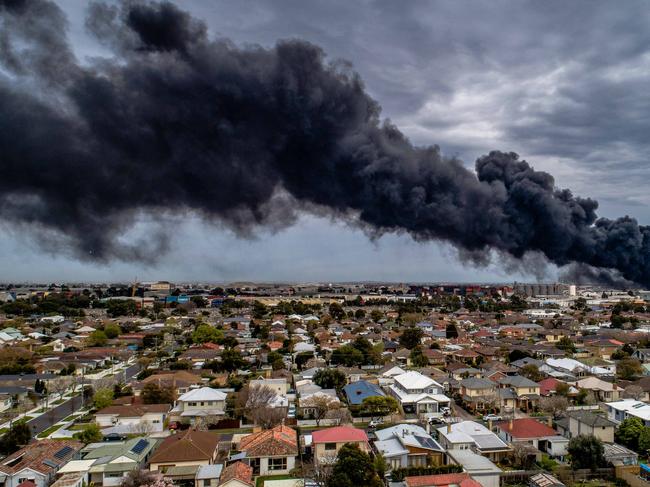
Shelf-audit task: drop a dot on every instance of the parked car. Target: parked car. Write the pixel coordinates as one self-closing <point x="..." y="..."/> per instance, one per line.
<point x="374" y="423"/>
<point x="492" y="417"/>
<point x="435" y="421"/>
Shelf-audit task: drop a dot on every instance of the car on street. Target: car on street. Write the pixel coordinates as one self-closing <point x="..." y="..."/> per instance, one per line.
<point x="492" y="417"/>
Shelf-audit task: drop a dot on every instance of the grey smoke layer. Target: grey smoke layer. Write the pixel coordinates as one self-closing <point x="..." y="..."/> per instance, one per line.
<point x="176" y="121"/>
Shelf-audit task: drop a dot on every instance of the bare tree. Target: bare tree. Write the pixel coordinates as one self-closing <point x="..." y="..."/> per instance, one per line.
<point x="555" y="405"/>
<point x="320" y="404"/>
<point x="142" y="428"/>
<point x="521" y="455"/>
<point x="60" y="385"/>
<point x="342" y="415"/>
<point x="634" y="392"/>
<point x="256" y="403"/>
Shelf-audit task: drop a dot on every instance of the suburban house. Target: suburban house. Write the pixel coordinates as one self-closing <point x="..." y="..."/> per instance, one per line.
<point x="603" y="390"/>
<point x="113" y="461"/>
<point x="356" y="392"/>
<point x="271" y="452"/>
<point x="479" y="394"/>
<point x="539" y="435"/>
<point x="327" y="443"/>
<point x="588" y="423"/>
<point x="143" y="418"/>
<point x="408" y="445"/>
<point x="618" y="411"/>
<point x="208" y="475"/>
<point x="199" y="403"/>
<point x="525" y="390"/>
<point x="442" y="480"/>
<point x="181" y="381"/>
<point x="417" y="393"/>
<point x="237" y="474"/>
<point x="279" y="386"/>
<point x="187" y="448"/>
<point x="38" y="462"/>
<point x="469" y="435"/>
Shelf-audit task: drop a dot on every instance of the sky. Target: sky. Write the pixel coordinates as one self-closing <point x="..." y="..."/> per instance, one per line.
<point x="564" y="84"/>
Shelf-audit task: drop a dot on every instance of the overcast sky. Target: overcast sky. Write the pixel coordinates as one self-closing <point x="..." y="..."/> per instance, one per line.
<point x="564" y="84"/>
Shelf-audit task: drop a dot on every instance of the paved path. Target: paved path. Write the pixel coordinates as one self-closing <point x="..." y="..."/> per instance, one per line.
<point x="56" y="414"/>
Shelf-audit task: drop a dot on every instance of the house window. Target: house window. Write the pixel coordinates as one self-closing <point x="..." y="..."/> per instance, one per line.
<point x="278" y="463"/>
<point x="330" y="446"/>
<point x="206" y="483"/>
<point x="156" y="421"/>
<point x="191" y="403"/>
<point x="113" y="474"/>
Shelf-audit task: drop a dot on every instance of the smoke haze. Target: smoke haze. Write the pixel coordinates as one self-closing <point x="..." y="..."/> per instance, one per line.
<point x="176" y="121"/>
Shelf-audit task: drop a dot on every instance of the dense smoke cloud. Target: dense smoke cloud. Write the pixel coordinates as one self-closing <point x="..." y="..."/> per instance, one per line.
<point x="176" y="121"/>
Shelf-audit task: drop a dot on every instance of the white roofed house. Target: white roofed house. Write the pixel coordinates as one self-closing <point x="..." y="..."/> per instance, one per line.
<point x="469" y="435"/>
<point x="418" y="394"/>
<point x="618" y="411"/>
<point x="199" y="403"/>
<point x="408" y="445"/>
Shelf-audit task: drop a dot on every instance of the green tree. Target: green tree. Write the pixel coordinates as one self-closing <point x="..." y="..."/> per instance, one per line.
<point x="566" y="344"/>
<point x="531" y="372"/>
<point x="629" y="432"/>
<point x="336" y="311"/>
<point x="644" y="441"/>
<point x="359" y="314"/>
<point x="330" y="379"/>
<point x="347" y="355"/>
<point x="379" y="406"/>
<point x="586" y="451"/>
<point x="376" y="315"/>
<point x="411" y="337"/>
<point x="628" y="368"/>
<point x="232" y="360"/>
<point x="91" y="433"/>
<point x="353" y="468"/>
<point x="97" y="338"/>
<point x="205" y="333"/>
<point x="18" y="436"/>
<point x="103" y="398"/>
<point x="152" y="393"/>
<point x="112" y="330"/>
<point x="418" y="359"/>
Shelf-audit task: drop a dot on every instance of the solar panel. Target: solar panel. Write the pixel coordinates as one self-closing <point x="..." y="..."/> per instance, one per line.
<point x="50" y="463"/>
<point x="426" y="442"/>
<point x="63" y="452"/>
<point x="140" y="446"/>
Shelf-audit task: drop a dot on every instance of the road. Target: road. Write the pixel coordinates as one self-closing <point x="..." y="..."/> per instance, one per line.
<point x="56" y="414"/>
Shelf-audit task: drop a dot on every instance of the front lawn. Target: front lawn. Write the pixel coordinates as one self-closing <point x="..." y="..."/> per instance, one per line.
<point x="260" y="480"/>
<point x="48" y="431"/>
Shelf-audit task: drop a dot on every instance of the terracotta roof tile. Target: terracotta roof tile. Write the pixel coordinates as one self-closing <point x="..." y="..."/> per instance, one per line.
<point x="239" y="471"/>
<point x="277" y="441"/>
<point x="187" y="446"/>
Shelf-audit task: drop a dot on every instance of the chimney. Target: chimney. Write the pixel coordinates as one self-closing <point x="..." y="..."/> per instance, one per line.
<point x="512" y="423"/>
<point x="549" y="421"/>
<point x="490" y="425"/>
<point x="449" y="427"/>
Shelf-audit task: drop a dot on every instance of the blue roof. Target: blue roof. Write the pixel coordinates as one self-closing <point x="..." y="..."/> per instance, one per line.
<point x="359" y="390"/>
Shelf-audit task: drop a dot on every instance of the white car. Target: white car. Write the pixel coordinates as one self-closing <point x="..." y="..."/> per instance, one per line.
<point x="374" y="423"/>
<point x="492" y="417"/>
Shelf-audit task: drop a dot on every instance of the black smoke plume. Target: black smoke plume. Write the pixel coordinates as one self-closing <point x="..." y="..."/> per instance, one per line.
<point x="176" y="121"/>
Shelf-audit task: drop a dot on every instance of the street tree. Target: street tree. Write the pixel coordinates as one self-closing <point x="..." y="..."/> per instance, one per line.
<point x="586" y="451"/>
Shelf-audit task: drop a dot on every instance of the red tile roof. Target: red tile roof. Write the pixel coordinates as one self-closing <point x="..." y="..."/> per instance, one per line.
<point x="526" y="428"/>
<point x="280" y="440"/>
<point x="239" y="471"/>
<point x="547" y="386"/>
<point x="339" y="434"/>
<point x="443" y="480"/>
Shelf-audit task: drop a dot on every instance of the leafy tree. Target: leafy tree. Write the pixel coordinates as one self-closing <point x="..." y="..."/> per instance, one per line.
<point x="359" y="314"/>
<point x="629" y="432"/>
<point x="347" y="355"/>
<point x="353" y="468"/>
<point x="411" y="337"/>
<point x="199" y="301"/>
<point x="121" y="307"/>
<point x="18" y="436"/>
<point x="112" y="330"/>
<point x="103" y="398"/>
<point x="628" y="368"/>
<point x="379" y="405"/>
<point x="205" y="333"/>
<point x="418" y="359"/>
<point x="336" y="311"/>
<point x="152" y="393"/>
<point x="376" y="315"/>
<point x="330" y="379"/>
<point x="531" y="372"/>
<point x="644" y="441"/>
<point x="91" y="433"/>
<point x="586" y="451"/>
<point x="97" y="339"/>
<point x="517" y="354"/>
<point x="302" y="358"/>
<point x="562" y="389"/>
<point x="565" y="343"/>
<point x="232" y="360"/>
